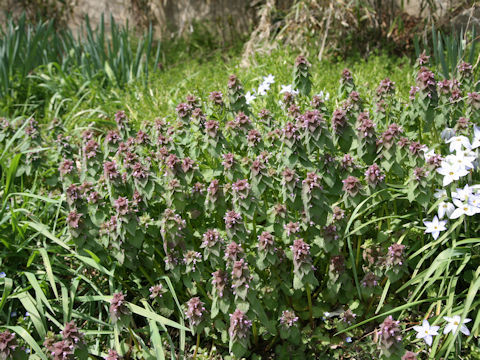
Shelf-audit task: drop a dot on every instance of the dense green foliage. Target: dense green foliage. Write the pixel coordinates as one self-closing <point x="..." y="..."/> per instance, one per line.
<point x="283" y="212"/>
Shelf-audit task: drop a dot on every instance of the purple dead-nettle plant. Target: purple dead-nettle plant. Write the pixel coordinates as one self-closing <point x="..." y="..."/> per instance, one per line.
<point x="337" y="264"/>
<point x="403" y="142"/>
<point x="423" y="59"/>
<point x="171" y="261"/>
<point x="109" y="227"/>
<point x="242" y="120"/>
<point x="389" y="136"/>
<point x="462" y="124"/>
<point x="288" y="318"/>
<point x="112" y="355"/>
<point x="233" y="251"/>
<point x="172" y="162"/>
<point x="426" y="81"/>
<point x="8" y="345"/>
<point x="120" y="119"/>
<point x="228" y="160"/>
<point x="195" y="310"/>
<point x="389" y="333"/>
<point x="330" y="233"/>
<point x="253" y="137"/>
<point x="257" y="167"/>
<point x="163" y="140"/>
<point x="465" y="69"/>
<point x="339" y="121"/>
<point x="266" y="242"/>
<point x="370" y="280"/>
<point x="241" y="189"/>
<point x="346" y="76"/>
<point x="71" y="333"/>
<point x="317" y="102"/>
<point x="409" y="355"/>
<point x="73" y="193"/>
<point x="386" y="87"/>
<point x="184" y="110"/>
<point x="413" y="91"/>
<point x="232" y="218"/>
<point x="118" y="307"/>
<point x="396" y="255"/>
<point x="193" y="101"/>
<point x="139" y="171"/>
<point x="338" y="214"/>
<point x="311" y="120"/>
<point x="216" y="97"/>
<point x="66" y="167"/>
<point x="312" y="181"/>
<point x="187" y="164"/>
<point x="121" y="206"/>
<point x="220" y="281"/>
<point x="129" y="159"/>
<point x="301" y="253"/>
<point x="473" y="99"/>
<point x="110" y="170"/>
<point x="190" y="259"/>
<point x="366" y="127"/>
<point x="420" y="173"/>
<point x="90" y="149"/>
<point x="374" y="176"/>
<point x="351" y="185"/>
<point x="32" y="129"/>
<point x="239" y="325"/>
<point x="348" y="317"/>
<point x="73" y="219"/>
<point x="415" y="147"/>
<point x="156" y="291"/>
<point x="290" y="132"/>
<point x="288" y="99"/>
<point x="62" y="350"/>
<point x="294" y="111"/>
<point x="444" y="86"/>
<point x="240" y="279"/>
<point x="112" y="137"/>
<point x="291" y="228"/>
<point x="348" y="162"/>
<point x="211" y="128"/>
<point x="211" y="238"/>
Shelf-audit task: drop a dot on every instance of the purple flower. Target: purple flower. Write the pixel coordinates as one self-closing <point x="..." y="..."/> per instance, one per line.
<point x="118" y="307"/>
<point x="211" y="238"/>
<point x="240" y="277"/>
<point x="253" y="137"/>
<point x="337" y="264"/>
<point x="120" y="119"/>
<point x="241" y="188"/>
<point x="156" y="291"/>
<point x="339" y="121"/>
<point x="71" y="333"/>
<point x="301" y="60"/>
<point x="288" y="318"/>
<point x="386" y="87"/>
<point x="211" y="128"/>
<point x="121" y="205"/>
<point x="183" y="110"/>
<point x="351" y="185"/>
<point x="464" y="68"/>
<point x="409" y="356"/>
<point x="110" y="170"/>
<point x="373" y="175"/>
<point x="413" y="91"/>
<point x="301" y="252"/>
<point x="346" y="76"/>
<point x="348" y="162"/>
<point x="194" y="311"/>
<point x="233" y="252"/>
<point x="66" y="167"/>
<point x="191" y="258"/>
<point x="216" y="97"/>
<point x="389" y="333"/>
<point x="348" y="317"/>
<point x="265" y="241"/>
<point x="396" y="254"/>
<point x="311" y="120"/>
<point x="231" y="218"/>
<point x="338" y="213"/>
<point x="366" y="127"/>
<point x="423" y="59"/>
<point x="228" y="161"/>
<point x="290" y="131"/>
<point x="112" y="355"/>
<point x="370" y="280"/>
<point x="73" y="219"/>
<point x="62" y="350"/>
<point x="139" y="171"/>
<point x="239" y="325"/>
<point x="220" y="280"/>
<point x="112" y="137"/>
<point x="8" y="344"/>
<point x="91" y="148"/>
<point x="291" y="228"/>
<point x="419" y="173"/>
<point x="312" y="181"/>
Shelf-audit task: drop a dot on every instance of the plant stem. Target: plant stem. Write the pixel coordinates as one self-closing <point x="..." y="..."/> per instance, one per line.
<point x="196" y="346"/>
<point x="310" y="310"/>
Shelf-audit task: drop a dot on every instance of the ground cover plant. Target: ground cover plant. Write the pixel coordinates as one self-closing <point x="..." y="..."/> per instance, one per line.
<point x="292" y="215"/>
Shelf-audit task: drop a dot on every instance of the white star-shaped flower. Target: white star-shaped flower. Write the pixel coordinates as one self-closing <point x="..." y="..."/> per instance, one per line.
<point x="426" y="332"/>
<point x="454" y="323"/>
<point x="459" y="142"/>
<point x="435" y="226"/>
<point x="250" y="96"/>
<point x="269" y="79"/>
<point x="451" y="173"/>
<point x="445" y="208"/>
<point x="463" y="209"/>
